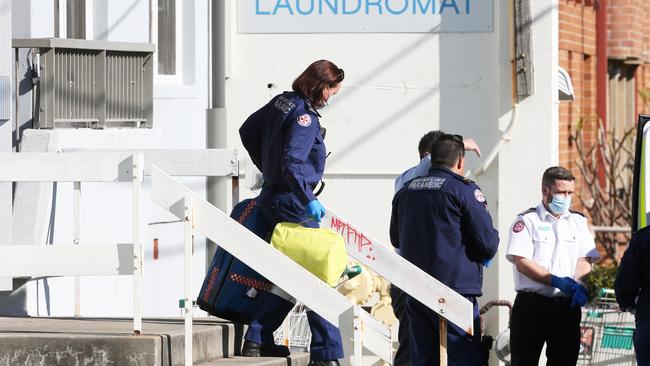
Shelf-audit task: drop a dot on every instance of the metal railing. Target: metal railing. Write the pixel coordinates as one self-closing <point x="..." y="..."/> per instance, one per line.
<point x="74" y="259"/>
<point x="215" y="225"/>
<point x="218" y="227"/>
<point x="36" y="261"/>
<point x="96" y="84"/>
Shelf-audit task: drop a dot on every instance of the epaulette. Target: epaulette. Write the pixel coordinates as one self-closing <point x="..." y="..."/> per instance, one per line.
<point x="467" y="180"/>
<point x="530" y="210"/>
<point x="577" y="213"/>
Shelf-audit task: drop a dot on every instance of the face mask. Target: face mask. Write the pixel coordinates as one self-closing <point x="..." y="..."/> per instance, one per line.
<point x="559" y="204"/>
<point x="327" y="102"/>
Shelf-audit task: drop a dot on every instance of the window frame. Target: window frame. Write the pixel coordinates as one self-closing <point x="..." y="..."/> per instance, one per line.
<point x="177" y="77"/>
<point x="61" y="19"/>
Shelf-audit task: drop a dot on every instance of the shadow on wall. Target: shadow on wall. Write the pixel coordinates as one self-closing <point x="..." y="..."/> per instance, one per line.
<point x="103" y="10"/>
<point x="393" y="117"/>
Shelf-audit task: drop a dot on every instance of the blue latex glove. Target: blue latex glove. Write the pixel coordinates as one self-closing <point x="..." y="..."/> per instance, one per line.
<point x="579" y="296"/>
<point x="487" y="262"/>
<point x="316" y="210"/>
<point x="564" y="284"/>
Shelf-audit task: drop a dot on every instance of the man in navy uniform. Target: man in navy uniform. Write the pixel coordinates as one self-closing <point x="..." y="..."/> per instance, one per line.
<point x="441" y="224"/>
<point x="632" y="287"/>
<point x="398" y="297"/>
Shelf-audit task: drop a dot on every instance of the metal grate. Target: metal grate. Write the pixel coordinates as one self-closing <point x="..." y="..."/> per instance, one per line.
<point x="125" y="87"/>
<point x="75" y="86"/>
<point x="92" y="83"/>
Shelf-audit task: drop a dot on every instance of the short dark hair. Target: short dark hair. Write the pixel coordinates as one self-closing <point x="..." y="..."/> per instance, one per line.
<point x="446" y="150"/>
<point x="556" y="173"/>
<point x="316" y="77"/>
<point x="424" y="147"/>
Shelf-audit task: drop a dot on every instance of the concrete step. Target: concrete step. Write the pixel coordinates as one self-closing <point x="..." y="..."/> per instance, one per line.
<point x="79" y="341"/>
<point x="296" y="359"/>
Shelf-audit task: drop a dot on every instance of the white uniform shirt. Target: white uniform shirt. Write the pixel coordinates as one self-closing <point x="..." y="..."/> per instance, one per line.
<point x="556" y="244"/>
<point x="417" y="171"/>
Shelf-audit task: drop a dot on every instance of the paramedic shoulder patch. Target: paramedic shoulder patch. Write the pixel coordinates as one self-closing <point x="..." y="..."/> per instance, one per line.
<point x="304" y="120"/>
<point x="429" y="183"/>
<point x="479" y="196"/>
<point x="518" y="226"/>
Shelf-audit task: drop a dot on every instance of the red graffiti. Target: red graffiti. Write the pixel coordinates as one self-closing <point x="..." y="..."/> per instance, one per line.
<point x="352" y="236"/>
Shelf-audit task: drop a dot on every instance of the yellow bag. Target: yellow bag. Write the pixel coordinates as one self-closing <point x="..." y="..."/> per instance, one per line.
<point x="320" y="251"/>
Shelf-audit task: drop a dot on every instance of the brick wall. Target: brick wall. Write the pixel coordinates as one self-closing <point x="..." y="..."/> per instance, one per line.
<point x="577" y="55"/>
<point x="627" y="30"/>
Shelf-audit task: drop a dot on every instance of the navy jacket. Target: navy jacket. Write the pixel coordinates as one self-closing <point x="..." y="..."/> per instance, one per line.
<point x="633" y="277"/>
<point x="440" y="223"/>
<point x="283" y="139"/>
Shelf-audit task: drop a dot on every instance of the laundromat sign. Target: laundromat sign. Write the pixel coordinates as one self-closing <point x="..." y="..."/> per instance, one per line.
<point x="358" y="16"/>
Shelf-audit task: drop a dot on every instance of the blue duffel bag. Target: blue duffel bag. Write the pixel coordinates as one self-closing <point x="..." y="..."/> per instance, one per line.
<point x="230" y="287"/>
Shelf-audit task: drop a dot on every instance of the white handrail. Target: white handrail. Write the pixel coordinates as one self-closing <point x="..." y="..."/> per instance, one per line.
<point x="75" y="259"/>
<point x="385" y="262"/>
<point x="185" y="162"/>
<point x="276" y="267"/>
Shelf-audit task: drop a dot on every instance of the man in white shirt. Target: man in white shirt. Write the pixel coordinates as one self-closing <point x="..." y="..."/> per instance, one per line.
<point x="551" y="249"/>
<point x="424" y="149"/>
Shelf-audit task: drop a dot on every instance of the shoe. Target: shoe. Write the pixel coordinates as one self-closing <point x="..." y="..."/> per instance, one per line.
<point x="252" y="349"/>
<point x="324" y="363"/>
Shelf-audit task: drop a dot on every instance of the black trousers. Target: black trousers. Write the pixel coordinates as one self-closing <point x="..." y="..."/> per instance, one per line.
<point x="398" y="300"/>
<point x="538" y="319"/>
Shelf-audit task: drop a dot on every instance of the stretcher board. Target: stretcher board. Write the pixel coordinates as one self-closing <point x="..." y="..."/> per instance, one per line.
<point x="385" y="262"/>
<point x="269" y="262"/>
<point x="641" y="185"/>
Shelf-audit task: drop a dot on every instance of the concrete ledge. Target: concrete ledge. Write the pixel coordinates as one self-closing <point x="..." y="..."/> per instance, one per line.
<point x="93" y="341"/>
<point x="296" y="359"/>
<point x="65" y="349"/>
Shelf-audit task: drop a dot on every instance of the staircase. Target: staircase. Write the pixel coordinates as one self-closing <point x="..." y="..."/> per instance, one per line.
<point x="103" y="341"/>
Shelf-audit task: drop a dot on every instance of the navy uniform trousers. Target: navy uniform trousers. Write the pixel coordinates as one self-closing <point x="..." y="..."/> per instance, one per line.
<point x="462" y="349"/>
<point x="325" y="338"/>
<point x="642" y="342"/>
<point x="398" y="301"/>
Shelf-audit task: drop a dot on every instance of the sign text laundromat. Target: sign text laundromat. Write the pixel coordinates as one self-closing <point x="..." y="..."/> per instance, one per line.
<point x="350" y="16"/>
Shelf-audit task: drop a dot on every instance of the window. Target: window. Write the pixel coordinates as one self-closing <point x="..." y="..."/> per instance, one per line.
<point x="168" y="39"/>
<point x="621" y="109"/>
<point x="70" y="20"/>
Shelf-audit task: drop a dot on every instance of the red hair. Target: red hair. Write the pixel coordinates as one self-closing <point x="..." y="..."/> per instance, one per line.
<point x="318" y="76"/>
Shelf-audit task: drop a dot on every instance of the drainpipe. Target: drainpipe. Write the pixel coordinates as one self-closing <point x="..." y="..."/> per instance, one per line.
<point x="217" y="187"/>
<point x="601" y="73"/>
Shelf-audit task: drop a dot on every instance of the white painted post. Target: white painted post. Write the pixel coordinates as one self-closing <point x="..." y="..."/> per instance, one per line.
<point x="187" y="311"/>
<point x="358" y="328"/>
<point x="138" y="253"/>
<point x="76" y="240"/>
<point x="443" y="341"/>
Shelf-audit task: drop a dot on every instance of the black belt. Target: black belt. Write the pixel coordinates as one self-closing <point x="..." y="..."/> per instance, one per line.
<point x="532" y="295"/>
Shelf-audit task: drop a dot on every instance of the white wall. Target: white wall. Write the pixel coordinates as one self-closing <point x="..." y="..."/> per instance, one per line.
<point x="6" y="66"/>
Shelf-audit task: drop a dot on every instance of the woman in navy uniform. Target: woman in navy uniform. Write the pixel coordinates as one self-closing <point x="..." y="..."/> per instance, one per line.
<point x="284" y="140"/>
<point x="632" y="288"/>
